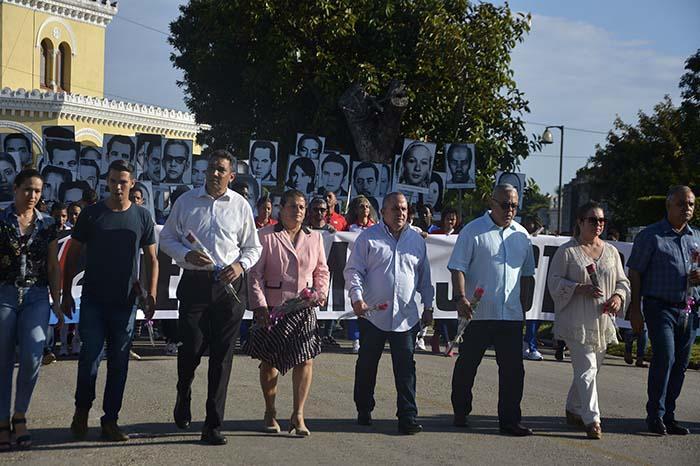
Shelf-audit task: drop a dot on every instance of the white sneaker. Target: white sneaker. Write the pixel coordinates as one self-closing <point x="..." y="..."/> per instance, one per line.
<point x="134" y="356"/>
<point x="171" y="349"/>
<point x="535" y="356"/>
<point x="356" y="346"/>
<point x="420" y="344"/>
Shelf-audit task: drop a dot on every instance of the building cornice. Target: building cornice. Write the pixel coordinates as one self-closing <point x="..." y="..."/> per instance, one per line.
<point x="87" y="110"/>
<point x="95" y="12"/>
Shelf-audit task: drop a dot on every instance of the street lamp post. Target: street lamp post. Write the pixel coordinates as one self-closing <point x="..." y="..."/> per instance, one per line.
<point x="548" y="138"/>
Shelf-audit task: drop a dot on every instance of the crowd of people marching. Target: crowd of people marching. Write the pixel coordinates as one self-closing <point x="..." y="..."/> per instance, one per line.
<point x="234" y="259"/>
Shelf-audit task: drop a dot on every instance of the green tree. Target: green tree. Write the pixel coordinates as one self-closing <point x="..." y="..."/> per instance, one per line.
<point x="272" y="69"/>
<point x="643" y="160"/>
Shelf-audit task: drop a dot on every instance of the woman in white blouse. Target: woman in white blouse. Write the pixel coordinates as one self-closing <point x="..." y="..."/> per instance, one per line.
<point x="589" y="287"/>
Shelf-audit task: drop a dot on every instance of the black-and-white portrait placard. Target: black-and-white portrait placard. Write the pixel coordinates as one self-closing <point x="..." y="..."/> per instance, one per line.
<point x="63" y="154"/>
<point x="309" y="145"/>
<point x="460" y="165"/>
<point x="416" y="165"/>
<point x="54" y="177"/>
<point x="365" y="179"/>
<point x="9" y="167"/>
<point x="177" y="161"/>
<point x="436" y="191"/>
<point x="19" y="146"/>
<point x="242" y="167"/>
<point x="262" y="157"/>
<point x="515" y="179"/>
<point x="149" y="158"/>
<point x="334" y="174"/>
<point x="88" y="166"/>
<point x="199" y="171"/>
<point x="301" y="174"/>
<point x="117" y="147"/>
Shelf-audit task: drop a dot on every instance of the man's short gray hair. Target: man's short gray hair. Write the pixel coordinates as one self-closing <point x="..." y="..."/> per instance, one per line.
<point x="503" y="188"/>
<point x="677" y="189"/>
<point x="390" y="197"/>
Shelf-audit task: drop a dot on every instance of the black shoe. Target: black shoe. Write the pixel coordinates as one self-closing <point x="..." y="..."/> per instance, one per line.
<point x="460" y="421"/>
<point x="79" y="426"/>
<point x="213" y="436"/>
<point x="628" y="357"/>
<point x="673" y="428"/>
<point x="559" y="354"/>
<point x="410" y="427"/>
<point x="516" y="430"/>
<point x="112" y="432"/>
<point x="657" y="426"/>
<point x="182" y="413"/>
<point x="364" y="419"/>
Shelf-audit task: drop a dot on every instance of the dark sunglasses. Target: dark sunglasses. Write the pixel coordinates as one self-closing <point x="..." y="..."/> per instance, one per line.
<point x="596" y="220"/>
<point x="506" y="205"/>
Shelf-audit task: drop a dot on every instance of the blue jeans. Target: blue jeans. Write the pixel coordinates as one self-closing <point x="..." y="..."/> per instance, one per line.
<point x="531" y="327"/>
<point x="629" y="336"/>
<point x="115" y="325"/>
<point x="671" y="341"/>
<point x="24" y="326"/>
<point x="402" y="346"/>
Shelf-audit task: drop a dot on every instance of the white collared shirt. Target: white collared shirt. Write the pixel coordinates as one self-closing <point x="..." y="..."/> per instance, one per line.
<point x="225" y="226"/>
<point x="383" y="270"/>
<point x="494" y="259"/>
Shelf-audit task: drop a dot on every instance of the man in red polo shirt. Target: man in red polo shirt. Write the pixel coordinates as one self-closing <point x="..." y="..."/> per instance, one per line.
<point x="336" y="220"/>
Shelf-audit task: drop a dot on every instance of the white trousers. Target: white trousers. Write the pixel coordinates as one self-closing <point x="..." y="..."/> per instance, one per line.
<point x="583" y="394"/>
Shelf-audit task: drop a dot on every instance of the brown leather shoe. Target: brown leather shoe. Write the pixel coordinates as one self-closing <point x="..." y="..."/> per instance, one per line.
<point x="594" y="431"/>
<point x="79" y="426"/>
<point x="112" y="432"/>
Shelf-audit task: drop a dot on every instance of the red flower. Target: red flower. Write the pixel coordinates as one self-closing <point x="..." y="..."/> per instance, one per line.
<point x="383" y="307"/>
<point x="479" y="292"/>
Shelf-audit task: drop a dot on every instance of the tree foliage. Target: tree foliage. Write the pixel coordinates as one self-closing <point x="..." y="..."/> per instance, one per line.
<point x="642" y="160"/>
<point x="269" y="69"/>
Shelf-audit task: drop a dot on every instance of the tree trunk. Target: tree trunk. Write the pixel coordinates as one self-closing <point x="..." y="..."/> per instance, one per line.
<point x="375" y="124"/>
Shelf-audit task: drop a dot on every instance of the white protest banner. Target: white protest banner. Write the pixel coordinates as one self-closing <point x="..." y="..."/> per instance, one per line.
<point x="338" y="247"/>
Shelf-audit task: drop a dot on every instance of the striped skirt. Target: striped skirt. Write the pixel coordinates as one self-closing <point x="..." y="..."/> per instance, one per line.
<point x="293" y="340"/>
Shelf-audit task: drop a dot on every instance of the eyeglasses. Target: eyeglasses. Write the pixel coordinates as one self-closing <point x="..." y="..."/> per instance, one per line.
<point x="596" y="220"/>
<point x="506" y="205"/>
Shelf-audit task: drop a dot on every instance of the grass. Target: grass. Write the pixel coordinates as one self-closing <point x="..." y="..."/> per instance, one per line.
<point x="545" y="333"/>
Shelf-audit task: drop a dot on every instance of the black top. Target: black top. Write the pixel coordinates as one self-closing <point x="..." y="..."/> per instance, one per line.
<point x="112" y="242"/>
<point x="12" y="245"/>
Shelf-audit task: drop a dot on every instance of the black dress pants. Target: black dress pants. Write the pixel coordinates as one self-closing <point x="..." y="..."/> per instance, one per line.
<point x="209" y="319"/>
<point x="506" y="336"/>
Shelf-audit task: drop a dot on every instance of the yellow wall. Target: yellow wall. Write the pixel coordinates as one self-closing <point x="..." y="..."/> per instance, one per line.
<point x="20" y="57"/>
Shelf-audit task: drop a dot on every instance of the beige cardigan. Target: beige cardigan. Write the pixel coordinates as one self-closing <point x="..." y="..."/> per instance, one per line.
<point x="579" y="318"/>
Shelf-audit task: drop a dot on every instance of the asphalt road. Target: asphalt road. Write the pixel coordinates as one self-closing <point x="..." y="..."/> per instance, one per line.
<point x="337" y="440"/>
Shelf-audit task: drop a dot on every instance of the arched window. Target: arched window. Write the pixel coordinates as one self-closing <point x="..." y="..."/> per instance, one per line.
<point x="46" y="64"/>
<point x="63" y="64"/>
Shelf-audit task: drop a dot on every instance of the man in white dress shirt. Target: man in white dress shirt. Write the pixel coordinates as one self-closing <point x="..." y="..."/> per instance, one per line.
<point x="388" y="264"/>
<point x="493" y="252"/>
<point x="209" y="316"/>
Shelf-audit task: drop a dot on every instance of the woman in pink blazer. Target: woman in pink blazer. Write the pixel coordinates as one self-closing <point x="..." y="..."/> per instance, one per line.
<point x="292" y="259"/>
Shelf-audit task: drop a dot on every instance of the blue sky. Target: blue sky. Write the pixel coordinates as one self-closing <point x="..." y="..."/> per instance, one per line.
<point x="583" y="63"/>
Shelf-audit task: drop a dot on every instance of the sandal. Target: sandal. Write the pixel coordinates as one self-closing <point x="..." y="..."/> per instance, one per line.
<point x="24" y="442"/>
<point x="6" y="445"/>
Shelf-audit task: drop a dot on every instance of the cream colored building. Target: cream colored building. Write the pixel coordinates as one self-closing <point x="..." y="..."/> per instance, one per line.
<point x="52" y="55"/>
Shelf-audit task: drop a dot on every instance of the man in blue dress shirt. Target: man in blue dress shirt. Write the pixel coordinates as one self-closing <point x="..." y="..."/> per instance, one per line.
<point x="663" y="274"/>
<point x="493" y="252"/>
<point x="389" y="265"/>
